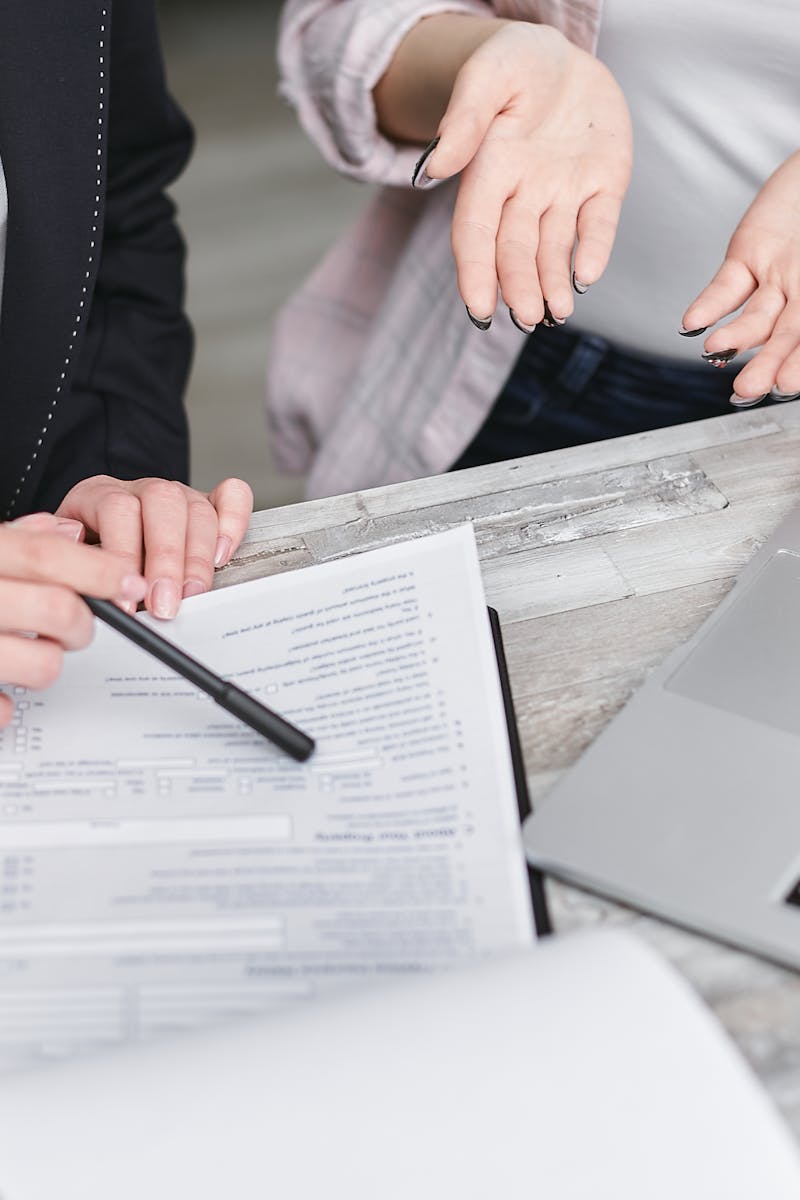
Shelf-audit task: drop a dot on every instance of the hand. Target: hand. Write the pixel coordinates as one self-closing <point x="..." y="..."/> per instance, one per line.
<point x="762" y="272"/>
<point x="541" y="133"/>
<point x="42" y="572"/>
<point x="175" y="534"/>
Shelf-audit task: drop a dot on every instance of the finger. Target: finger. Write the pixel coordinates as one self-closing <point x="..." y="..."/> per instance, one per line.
<point x="517" y="244"/>
<point x="201" y="546"/>
<point x="6" y="710"/>
<point x="596" y="227"/>
<point x="30" y="662"/>
<point x="75" y="531"/>
<point x="164" y="522"/>
<point x="233" y="500"/>
<point x="49" y="523"/>
<point x="557" y="232"/>
<point x="40" y="522"/>
<point x="49" y="558"/>
<point x="477" y="97"/>
<point x="752" y="327"/>
<point x="82" y="502"/>
<point x="787" y="381"/>
<point x="728" y="290"/>
<point x="473" y="235"/>
<point x="760" y="375"/>
<point x="46" y="609"/>
<point x="118" y="521"/>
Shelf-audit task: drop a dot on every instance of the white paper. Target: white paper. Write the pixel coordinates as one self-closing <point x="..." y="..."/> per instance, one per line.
<point x="162" y="867"/>
<point x="586" y="1071"/>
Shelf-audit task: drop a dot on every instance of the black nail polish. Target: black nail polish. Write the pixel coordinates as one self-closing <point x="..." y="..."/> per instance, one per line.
<point x="522" y="328"/>
<point x="482" y="323"/>
<point x="549" y="321"/>
<point x="738" y="401"/>
<point x="720" y="358"/>
<point x="420" y="177"/>
<point x="692" y="332"/>
<point x="580" y="288"/>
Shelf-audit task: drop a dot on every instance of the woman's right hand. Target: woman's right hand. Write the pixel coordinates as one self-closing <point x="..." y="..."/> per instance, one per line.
<point x="43" y="570"/>
<point x="541" y="133"/>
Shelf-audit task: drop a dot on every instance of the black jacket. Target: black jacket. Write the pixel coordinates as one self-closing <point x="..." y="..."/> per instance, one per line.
<point x="94" y="347"/>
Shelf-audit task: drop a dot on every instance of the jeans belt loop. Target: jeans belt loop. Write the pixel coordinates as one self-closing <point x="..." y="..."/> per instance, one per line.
<point x="582" y="365"/>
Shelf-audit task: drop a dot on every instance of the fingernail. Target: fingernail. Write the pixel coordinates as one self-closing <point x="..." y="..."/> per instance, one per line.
<point x="133" y="587"/>
<point x="127" y="606"/>
<point x="548" y="320"/>
<point x="223" y="550"/>
<point x="69" y="528"/>
<point x="518" y="323"/>
<point x="193" y="587"/>
<point x="164" y="599"/>
<point x="580" y="288"/>
<point x="692" y="332"/>
<point x="719" y="358"/>
<point x="420" y="177"/>
<point x="777" y="394"/>
<point x="480" y="322"/>
<point x="746" y="401"/>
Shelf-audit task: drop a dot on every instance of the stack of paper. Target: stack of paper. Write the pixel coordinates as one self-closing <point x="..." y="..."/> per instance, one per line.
<point x="584" y="1071"/>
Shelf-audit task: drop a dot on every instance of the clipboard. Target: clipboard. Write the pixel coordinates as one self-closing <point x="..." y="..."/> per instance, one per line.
<point x="541" y="912"/>
<point x="116" y="939"/>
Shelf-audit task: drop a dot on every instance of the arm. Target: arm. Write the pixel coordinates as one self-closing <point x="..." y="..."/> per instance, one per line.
<point x="126" y="414"/>
<point x="537" y="127"/>
<point x="412" y="96"/>
<point x="331" y="55"/>
<point x="122" y="459"/>
<point x="540" y="133"/>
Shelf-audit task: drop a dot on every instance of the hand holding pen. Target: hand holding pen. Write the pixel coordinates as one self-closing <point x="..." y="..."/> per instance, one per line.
<point x="44" y="572"/>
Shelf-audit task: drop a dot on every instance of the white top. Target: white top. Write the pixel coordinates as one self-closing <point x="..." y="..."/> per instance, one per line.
<point x="713" y="90"/>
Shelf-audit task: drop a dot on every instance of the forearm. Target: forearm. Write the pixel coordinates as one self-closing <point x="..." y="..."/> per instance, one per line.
<point x="413" y="94"/>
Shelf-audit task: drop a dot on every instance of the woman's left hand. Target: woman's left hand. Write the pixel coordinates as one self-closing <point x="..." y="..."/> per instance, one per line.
<point x="173" y="534"/>
<point x="762" y="272"/>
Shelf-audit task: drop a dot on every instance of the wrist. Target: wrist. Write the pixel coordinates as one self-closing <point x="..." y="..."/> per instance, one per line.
<point x="412" y="95"/>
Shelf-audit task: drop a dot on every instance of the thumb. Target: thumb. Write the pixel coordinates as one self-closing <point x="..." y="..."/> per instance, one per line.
<point x="477" y="97"/>
<point x="233" y="500"/>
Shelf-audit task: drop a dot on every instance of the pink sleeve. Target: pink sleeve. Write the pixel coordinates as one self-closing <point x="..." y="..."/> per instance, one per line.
<point x="331" y="53"/>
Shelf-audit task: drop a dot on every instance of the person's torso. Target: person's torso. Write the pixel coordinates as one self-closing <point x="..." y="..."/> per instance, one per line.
<point x="3" y="224"/>
<point x="714" y="92"/>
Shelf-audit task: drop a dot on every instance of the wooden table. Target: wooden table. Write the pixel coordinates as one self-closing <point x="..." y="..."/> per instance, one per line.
<point x="600" y="560"/>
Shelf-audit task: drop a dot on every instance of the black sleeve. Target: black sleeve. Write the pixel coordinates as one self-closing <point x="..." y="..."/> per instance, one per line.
<point x="125" y="415"/>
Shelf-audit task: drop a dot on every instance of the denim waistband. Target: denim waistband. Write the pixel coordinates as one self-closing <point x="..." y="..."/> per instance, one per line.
<point x="574" y="359"/>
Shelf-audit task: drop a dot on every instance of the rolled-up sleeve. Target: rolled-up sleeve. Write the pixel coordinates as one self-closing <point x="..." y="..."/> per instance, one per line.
<point x="331" y="54"/>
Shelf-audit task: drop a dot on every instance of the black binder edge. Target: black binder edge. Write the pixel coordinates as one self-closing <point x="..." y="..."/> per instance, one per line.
<point x="541" y="913"/>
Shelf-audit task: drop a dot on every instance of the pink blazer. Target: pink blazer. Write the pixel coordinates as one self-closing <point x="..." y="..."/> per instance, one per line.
<point x="376" y="375"/>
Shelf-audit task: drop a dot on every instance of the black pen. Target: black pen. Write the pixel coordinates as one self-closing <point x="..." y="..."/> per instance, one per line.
<point x="255" y="714"/>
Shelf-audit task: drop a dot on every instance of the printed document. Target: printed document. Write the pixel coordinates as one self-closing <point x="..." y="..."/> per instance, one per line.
<point x="163" y="867"/>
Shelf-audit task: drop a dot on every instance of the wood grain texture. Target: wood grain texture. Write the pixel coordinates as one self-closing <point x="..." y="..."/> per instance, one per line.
<point x="601" y="560"/>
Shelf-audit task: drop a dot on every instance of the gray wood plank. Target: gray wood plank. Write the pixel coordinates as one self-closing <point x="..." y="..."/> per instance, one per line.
<point x="562" y="650"/>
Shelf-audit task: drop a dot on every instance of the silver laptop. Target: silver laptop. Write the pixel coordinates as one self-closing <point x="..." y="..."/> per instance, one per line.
<point x="688" y="804"/>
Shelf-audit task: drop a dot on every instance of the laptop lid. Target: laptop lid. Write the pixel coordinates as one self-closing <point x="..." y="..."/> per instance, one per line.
<point x="688" y="804"/>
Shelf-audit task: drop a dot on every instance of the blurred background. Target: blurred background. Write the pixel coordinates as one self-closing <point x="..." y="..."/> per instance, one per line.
<point x="258" y="207"/>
